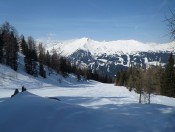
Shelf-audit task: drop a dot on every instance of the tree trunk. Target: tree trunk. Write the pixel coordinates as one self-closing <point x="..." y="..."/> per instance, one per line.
<point x="149" y="98"/>
<point x="140" y="97"/>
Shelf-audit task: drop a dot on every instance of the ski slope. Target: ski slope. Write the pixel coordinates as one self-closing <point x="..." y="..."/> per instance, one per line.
<point x="84" y="106"/>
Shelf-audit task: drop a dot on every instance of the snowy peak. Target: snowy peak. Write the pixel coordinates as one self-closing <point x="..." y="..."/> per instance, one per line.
<point x="108" y="47"/>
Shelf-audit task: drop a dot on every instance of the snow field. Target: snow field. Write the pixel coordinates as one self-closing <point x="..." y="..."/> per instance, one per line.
<point x="84" y="107"/>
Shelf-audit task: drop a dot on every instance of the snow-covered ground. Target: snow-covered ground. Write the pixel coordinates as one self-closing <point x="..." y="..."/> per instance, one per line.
<point x="83" y="107"/>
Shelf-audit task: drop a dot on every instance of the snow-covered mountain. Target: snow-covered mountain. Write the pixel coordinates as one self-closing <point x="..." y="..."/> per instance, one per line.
<point x="109" y="57"/>
<point x="109" y="47"/>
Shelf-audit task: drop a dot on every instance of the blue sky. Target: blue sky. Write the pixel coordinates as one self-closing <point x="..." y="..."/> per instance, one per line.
<point x="142" y="20"/>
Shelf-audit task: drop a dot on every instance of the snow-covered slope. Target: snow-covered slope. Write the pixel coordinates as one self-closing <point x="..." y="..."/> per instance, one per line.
<point x="109" y="47"/>
<point x="10" y="79"/>
<point x="83" y="107"/>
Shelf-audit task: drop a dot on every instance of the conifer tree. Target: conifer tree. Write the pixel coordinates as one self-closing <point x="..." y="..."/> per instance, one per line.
<point x="41" y="51"/>
<point x="14" y="51"/>
<point x="23" y="44"/>
<point x="31" y="57"/>
<point x="8" y="45"/>
<point x="1" y="47"/>
<point x="47" y="59"/>
<point x="168" y="84"/>
<point x="42" y="72"/>
<point x="54" y="60"/>
<point x="63" y="66"/>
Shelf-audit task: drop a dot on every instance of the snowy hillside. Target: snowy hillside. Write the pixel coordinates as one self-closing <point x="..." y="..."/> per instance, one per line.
<point x="83" y="107"/>
<point x="10" y="79"/>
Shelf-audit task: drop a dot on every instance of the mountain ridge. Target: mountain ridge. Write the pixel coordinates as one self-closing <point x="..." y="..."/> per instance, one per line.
<point x="109" y="57"/>
<point x="68" y="47"/>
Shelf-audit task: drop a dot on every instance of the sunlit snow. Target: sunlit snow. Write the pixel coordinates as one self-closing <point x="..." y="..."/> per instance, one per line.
<point x="84" y="106"/>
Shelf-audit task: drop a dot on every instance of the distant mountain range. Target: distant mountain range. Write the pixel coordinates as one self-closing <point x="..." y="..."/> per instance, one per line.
<point x="110" y="57"/>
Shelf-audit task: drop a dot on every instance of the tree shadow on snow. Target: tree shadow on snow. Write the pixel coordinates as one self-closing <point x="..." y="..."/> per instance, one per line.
<point x="128" y="116"/>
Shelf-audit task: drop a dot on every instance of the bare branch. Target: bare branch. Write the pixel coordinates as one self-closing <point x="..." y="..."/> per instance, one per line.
<point x="171" y="25"/>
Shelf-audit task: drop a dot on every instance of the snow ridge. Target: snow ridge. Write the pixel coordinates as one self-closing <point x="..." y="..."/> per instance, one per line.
<point x="109" y="47"/>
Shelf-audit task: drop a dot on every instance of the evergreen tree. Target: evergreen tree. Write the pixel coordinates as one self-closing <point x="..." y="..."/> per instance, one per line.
<point x="47" y="59"/>
<point x="63" y="66"/>
<point x="23" y="45"/>
<point x="1" y="47"/>
<point x="14" y="51"/>
<point x="54" y="60"/>
<point x="117" y="78"/>
<point x="8" y="45"/>
<point x="41" y="51"/>
<point x="31" y="58"/>
<point x="168" y="84"/>
<point x="42" y="72"/>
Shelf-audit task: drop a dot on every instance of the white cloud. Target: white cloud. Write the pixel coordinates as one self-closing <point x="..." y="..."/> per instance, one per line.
<point x="51" y="35"/>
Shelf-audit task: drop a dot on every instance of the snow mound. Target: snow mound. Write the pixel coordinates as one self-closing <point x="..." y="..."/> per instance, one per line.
<point x="28" y="112"/>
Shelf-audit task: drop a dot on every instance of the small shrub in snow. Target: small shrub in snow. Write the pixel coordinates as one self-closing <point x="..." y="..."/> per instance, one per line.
<point x="15" y="93"/>
<point x="23" y="89"/>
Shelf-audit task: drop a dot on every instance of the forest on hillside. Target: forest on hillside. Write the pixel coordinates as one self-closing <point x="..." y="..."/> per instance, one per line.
<point x="152" y="80"/>
<point x="37" y="58"/>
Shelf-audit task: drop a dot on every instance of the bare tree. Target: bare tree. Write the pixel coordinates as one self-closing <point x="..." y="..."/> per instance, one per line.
<point x="171" y="24"/>
<point x="149" y="83"/>
<point x="139" y="83"/>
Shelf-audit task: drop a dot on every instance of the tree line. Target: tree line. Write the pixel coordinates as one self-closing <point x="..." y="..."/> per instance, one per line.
<point x="37" y="59"/>
<point x="8" y="46"/>
<point x="54" y="61"/>
<point x="155" y="79"/>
